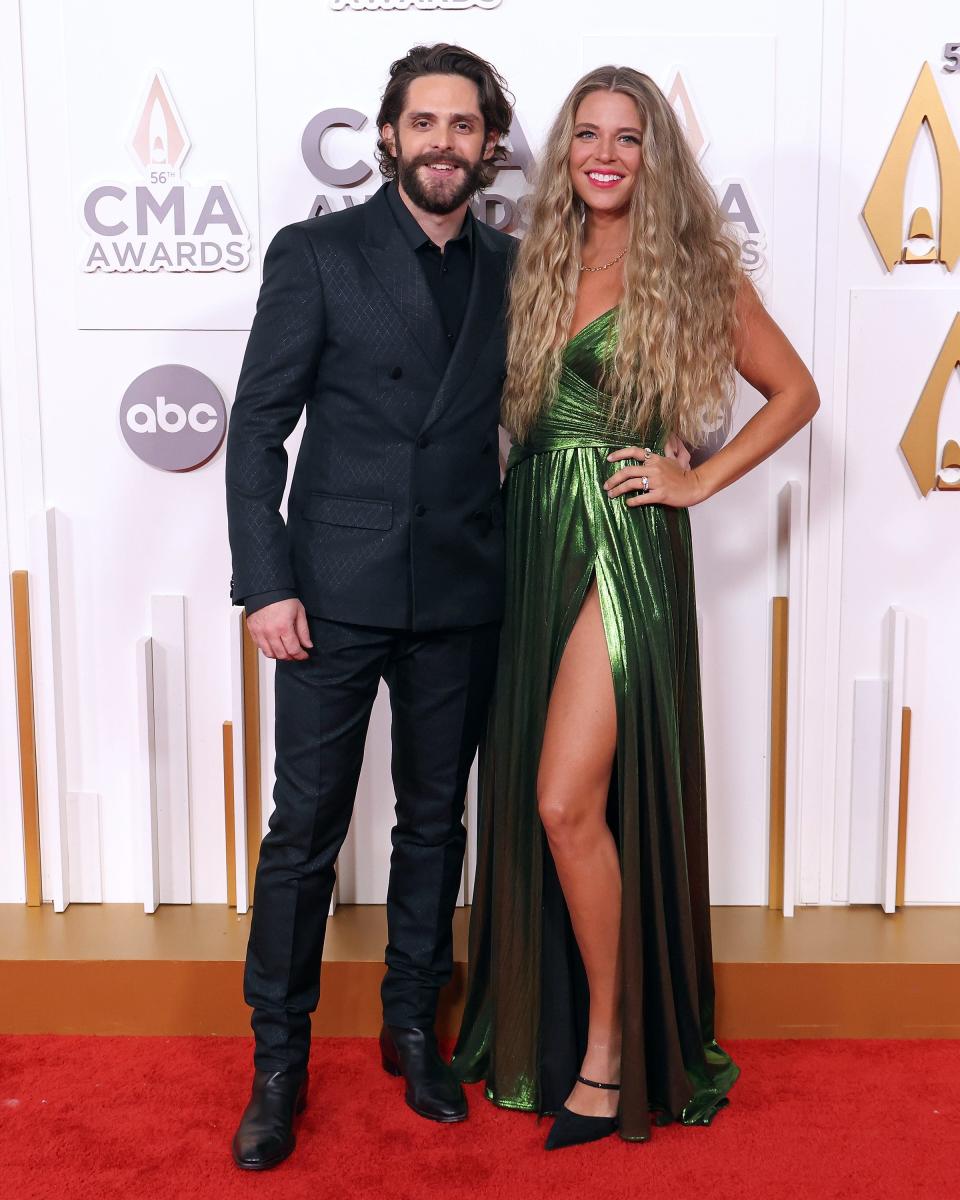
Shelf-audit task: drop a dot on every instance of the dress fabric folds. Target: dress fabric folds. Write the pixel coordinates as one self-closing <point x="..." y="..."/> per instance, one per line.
<point x="525" y="1022"/>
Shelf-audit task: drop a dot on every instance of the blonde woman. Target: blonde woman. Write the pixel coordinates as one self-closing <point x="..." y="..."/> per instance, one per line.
<point x="591" y="987"/>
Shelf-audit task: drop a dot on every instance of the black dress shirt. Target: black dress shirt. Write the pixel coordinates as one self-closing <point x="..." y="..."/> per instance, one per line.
<point x="449" y="274"/>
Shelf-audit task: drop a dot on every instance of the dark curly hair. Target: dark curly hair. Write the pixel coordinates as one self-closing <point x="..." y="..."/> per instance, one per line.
<point x="496" y="102"/>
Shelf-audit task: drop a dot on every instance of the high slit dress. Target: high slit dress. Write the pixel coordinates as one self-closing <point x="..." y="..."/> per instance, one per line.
<point x="525" y="1022"/>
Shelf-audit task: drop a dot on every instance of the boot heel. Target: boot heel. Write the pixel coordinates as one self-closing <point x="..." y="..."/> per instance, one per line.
<point x="390" y="1067"/>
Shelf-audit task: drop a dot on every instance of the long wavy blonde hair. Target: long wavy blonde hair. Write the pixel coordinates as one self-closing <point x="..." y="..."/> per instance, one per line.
<point x="672" y="357"/>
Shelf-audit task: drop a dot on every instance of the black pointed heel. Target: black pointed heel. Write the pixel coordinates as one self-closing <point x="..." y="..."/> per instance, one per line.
<point x="575" y="1129"/>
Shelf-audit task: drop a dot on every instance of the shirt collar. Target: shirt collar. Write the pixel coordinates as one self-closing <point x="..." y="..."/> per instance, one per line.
<point x="411" y="228"/>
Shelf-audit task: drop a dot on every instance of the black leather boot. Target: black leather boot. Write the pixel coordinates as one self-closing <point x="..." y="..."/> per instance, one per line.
<point x="433" y="1091"/>
<point x="265" y="1134"/>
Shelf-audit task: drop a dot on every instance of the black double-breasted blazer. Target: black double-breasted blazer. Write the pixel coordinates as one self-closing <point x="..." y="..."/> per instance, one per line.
<point x="394" y="516"/>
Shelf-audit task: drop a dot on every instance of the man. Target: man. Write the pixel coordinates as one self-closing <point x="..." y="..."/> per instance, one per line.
<point x="386" y="322"/>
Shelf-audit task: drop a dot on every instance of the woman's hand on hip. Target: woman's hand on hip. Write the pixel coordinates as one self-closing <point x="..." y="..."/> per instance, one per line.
<point x="654" y="479"/>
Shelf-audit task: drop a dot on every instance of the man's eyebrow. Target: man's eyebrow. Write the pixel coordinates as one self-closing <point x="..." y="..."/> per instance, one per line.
<point x="418" y="116"/>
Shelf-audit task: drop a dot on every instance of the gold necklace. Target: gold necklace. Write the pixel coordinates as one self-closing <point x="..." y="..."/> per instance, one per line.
<point x="612" y="262"/>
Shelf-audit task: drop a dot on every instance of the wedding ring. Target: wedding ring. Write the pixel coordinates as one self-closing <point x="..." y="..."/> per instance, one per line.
<point x="645" y="483"/>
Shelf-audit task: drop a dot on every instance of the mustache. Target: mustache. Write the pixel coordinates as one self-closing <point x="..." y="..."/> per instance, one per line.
<point x="427" y="160"/>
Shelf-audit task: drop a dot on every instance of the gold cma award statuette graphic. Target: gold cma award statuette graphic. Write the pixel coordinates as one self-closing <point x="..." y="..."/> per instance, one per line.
<point x="883" y="211"/>
<point x="883" y="214"/>
<point x="919" y="442"/>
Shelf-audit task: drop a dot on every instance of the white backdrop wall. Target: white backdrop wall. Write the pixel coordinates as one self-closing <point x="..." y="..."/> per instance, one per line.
<point x="791" y="108"/>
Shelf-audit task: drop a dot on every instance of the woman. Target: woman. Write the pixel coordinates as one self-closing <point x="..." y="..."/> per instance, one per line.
<point x="591" y="981"/>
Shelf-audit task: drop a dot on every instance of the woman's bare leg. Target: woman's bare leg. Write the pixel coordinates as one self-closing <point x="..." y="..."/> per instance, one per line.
<point x="579" y="746"/>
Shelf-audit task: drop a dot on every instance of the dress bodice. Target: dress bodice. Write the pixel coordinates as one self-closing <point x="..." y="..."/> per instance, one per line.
<point x="578" y="415"/>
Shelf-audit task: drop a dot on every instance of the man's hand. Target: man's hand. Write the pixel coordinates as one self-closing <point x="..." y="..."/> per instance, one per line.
<point x="280" y="630"/>
<point x="673" y="447"/>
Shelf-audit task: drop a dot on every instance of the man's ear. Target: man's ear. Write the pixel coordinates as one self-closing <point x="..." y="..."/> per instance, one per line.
<point x="389" y="139"/>
<point x="493" y="139"/>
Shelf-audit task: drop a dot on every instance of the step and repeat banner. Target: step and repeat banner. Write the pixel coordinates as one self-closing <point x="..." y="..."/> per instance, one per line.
<point x="150" y="157"/>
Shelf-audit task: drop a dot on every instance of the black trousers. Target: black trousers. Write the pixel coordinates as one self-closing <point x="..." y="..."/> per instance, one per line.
<point x="439" y="687"/>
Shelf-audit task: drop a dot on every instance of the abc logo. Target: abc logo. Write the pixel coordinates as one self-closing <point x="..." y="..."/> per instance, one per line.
<point x="173" y="417"/>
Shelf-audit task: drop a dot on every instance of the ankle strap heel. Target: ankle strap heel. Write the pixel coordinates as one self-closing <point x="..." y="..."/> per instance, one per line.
<point x="607" y="1087"/>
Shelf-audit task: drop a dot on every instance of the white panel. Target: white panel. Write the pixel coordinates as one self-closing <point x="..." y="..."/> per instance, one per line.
<point x="192" y="46"/>
<point x="239" y="765"/>
<point x="867" y="789"/>
<point x="901" y="550"/>
<point x="167" y="626"/>
<point x="13" y="221"/>
<point x="83" y="839"/>
<point x="135" y="532"/>
<point x="896" y="623"/>
<point x="48" y="707"/>
<point x="822" y="793"/>
<point x="146" y="778"/>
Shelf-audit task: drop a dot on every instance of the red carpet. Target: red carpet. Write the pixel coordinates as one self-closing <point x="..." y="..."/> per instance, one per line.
<point x="151" y="1119"/>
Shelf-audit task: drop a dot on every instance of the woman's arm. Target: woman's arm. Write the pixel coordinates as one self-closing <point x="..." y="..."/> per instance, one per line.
<point x="766" y="359"/>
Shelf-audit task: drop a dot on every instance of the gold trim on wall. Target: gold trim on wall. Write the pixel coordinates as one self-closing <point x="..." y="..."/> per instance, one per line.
<point x="251" y="754"/>
<point x="906" y="722"/>
<point x="228" y="819"/>
<point x="778" y="748"/>
<point x="26" y="727"/>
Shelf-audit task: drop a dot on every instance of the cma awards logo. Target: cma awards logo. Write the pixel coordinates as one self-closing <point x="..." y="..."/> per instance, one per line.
<point x="173" y="417"/>
<point x="507" y="212"/>
<point x="733" y="195"/>
<point x="163" y="223"/>
<point x="495" y="208"/>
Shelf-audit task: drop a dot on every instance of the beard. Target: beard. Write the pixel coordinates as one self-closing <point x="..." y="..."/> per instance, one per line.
<point x="439" y="194"/>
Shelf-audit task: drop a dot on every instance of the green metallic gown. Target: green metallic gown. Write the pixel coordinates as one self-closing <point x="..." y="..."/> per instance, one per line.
<point x="525" y="1023"/>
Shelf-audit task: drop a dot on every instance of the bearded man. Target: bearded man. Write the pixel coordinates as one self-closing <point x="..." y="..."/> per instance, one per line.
<point x="386" y="323"/>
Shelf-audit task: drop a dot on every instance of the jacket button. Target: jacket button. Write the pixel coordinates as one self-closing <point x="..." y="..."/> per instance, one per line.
<point x="423" y="442"/>
<point x="396" y="372"/>
<point x="420" y="510"/>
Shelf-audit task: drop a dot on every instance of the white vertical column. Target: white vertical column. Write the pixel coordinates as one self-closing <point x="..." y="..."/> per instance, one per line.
<point x="21" y="460"/>
<point x="897" y="659"/>
<point x="864" y="873"/>
<point x="167" y="627"/>
<point x="48" y="706"/>
<point x="239" y="762"/>
<point x="791" y="555"/>
<point x="147" y="777"/>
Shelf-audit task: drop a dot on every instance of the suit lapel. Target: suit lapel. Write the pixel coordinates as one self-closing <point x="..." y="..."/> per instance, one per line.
<point x="396" y="268"/>
<point x="484" y="308"/>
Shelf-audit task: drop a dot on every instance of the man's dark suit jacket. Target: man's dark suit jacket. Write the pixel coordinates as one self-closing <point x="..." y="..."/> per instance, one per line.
<point x="394" y="514"/>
